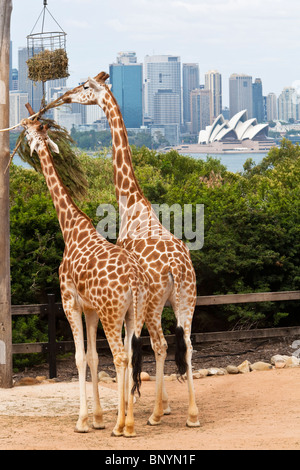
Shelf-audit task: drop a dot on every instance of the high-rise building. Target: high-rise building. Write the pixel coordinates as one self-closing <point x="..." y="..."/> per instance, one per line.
<point x="240" y="94"/>
<point x="288" y="102"/>
<point x="200" y="109"/>
<point x="257" y="101"/>
<point x="190" y="81"/>
<point x="126" y="78"/>
<point x="14" y="81"/>
<point x="213" y="82"/>
<point x="17" y="110"/>
<point x="34" y="90"/>
<point x="163" y="88"/>
<point x="272" y="114"/>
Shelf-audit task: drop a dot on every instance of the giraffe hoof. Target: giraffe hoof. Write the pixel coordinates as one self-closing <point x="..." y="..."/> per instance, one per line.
<point x="152" y="422"/>
<point x="98" y="426"/>
<point x="191" y="424"/>
<point x="129" y="434"/>
<point x="116" y="433"/>
<point x="167" y="411"/>
<point x="81" y="431"/>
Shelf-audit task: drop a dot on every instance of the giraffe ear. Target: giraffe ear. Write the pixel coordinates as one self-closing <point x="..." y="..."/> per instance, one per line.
<point x="53" y="146"/>
<point x="94" y="84"/>
<point x="33" y="143"/>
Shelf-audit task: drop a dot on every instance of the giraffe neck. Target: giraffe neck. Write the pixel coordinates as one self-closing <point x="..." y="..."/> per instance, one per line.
<point x="126" y="183"/>
<point x="68" y="213"/>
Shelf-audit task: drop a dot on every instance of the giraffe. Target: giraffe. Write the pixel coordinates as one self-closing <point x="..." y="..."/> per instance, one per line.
<point x="165" y="258"/>
<point x="102" y="280"/>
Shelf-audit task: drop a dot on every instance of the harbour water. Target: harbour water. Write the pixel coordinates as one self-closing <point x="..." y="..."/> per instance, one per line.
<point x="233" y="161"/>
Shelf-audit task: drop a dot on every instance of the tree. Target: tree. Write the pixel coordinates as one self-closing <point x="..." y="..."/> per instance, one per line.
<point x="5" y="315"/>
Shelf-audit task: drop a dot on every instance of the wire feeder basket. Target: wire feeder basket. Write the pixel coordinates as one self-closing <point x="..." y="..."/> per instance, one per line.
<point x="47" y="57"/>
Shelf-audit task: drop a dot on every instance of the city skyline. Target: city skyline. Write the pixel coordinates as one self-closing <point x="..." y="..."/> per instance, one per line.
<point x="159" y="104"/>
<point x="256" y="38"/>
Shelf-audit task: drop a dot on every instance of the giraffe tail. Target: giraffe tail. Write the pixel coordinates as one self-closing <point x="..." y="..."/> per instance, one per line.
<point x="180" y="344"/>
<point x="136" y="342"/>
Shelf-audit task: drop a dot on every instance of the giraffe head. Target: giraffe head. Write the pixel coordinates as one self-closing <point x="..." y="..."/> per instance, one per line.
<point x="36" y="134"/>
<point x="93" y="91"/>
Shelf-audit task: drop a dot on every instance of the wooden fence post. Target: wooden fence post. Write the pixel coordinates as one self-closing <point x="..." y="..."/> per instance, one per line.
<point x="5" y="307"/>
<point x="52" y="336"/>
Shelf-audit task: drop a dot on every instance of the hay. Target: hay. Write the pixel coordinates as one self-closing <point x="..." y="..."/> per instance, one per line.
<point x="66" y="162"/>
<point x="48" y="65"/>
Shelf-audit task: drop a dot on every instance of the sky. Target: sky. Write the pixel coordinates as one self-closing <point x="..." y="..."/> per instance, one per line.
<point x="260" y="38"/>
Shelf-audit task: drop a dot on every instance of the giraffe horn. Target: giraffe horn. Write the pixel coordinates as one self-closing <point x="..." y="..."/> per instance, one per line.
<point x="102" y="77"/>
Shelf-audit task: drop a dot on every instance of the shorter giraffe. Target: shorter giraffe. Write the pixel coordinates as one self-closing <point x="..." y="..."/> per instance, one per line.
<point x="102" y="280"/>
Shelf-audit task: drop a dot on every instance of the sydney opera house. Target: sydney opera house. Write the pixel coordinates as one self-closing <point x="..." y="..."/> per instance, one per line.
<point x="236" y="135"/>
<point x="238" y="128"/>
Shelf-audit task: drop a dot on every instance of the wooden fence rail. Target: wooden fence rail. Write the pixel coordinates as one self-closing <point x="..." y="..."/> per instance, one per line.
<point x="52" y="309"/>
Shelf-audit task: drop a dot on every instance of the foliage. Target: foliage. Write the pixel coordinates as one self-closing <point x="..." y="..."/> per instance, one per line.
<point x="94" y="140"/>
<point x="252" y="226"/>
<point x="66" y="161"/>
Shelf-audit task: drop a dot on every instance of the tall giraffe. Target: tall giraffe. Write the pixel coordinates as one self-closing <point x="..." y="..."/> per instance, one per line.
<point x="102" y="280"/>
<point x="165" y="258"/>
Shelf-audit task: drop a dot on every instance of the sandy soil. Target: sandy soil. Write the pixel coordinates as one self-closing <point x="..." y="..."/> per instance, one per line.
<point x="258" y="410"/>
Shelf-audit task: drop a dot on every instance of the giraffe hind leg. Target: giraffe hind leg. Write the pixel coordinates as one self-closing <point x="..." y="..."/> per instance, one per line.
<point x="92" y="321"/>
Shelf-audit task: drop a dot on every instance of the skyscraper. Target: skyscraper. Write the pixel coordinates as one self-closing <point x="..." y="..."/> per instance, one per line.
<point x="190" y="81"/>
<point x="17" y="110"/>
<point x="163" y="88"/>
<point x="213" y="82"/>
<point x="200" y="109"/>
<point x="240" y="94"/>
<point x="34" y="90"/>
<point x="272" y="114"/>
<point x="126" y="77"/>
<point x="257" y="101"/>
<point x="288" y="104"/>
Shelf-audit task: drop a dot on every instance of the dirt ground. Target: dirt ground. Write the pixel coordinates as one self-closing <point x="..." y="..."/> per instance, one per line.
<point x="253" y="411"/>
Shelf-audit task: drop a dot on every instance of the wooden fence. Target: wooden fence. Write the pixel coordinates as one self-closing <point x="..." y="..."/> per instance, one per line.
<point x="52" y="309"/>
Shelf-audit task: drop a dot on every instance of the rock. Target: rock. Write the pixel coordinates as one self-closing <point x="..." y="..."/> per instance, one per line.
<point x="260" y="365"/>
<point x="280" y="364"/>
<point x="244" y="368"/>
<point x="170" y="378"/>
<point x="102" y="374"/>
<point x="215" y="371"/>
<point x="232" y="369"/>
<point x="292" y="361"/>
<point x="107" y="380"/>
<point x="199" y="374"/>
<point x="202" y="373"/>
<point x="278" y="358"/>
<point x="145" y="377"/>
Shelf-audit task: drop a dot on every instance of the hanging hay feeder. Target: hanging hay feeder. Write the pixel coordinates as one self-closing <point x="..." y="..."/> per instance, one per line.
<point x="47" y="57"/>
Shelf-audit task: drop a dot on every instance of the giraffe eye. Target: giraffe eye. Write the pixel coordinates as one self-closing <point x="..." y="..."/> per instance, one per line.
<point x="86" y="87"/>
